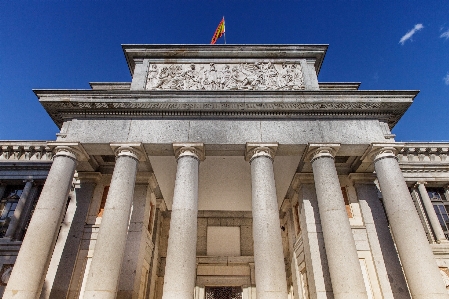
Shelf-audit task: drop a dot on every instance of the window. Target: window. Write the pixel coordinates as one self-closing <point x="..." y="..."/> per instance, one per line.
<point x="441" y="207"/>
<point x="8" y="205"/>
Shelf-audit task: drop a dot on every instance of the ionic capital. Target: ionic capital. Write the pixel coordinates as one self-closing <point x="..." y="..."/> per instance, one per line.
<point x="29" y="181"/>
<point x="72" y="150"/>
<point x="316" y="151"/>
<point x="195" y="150"/>
<point x="255" y="150"/>
<point x="419" y="183"/>
<point x="378" y="151"/>
<point x="133" y="150"/>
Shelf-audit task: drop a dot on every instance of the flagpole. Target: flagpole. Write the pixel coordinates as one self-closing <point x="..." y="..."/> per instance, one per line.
<point x="224" y="34"/>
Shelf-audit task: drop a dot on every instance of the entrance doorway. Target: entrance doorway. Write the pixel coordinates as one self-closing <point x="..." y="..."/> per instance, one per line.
<point x="223" y="292"/>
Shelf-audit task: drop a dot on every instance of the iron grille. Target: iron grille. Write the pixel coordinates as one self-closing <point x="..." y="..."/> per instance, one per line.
<point x="223" y="293"/>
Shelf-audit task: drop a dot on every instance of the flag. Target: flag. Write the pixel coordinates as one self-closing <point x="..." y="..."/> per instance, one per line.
<point x="218" y="32"/>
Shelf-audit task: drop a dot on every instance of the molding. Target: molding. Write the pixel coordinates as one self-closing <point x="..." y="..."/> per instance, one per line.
<point x="26" y="151"/>
<point x="66" y="105"/>
<point x="191" y="53"/>
<point x="196" y="150"/>
<point x="255" y="150"/>
<point x="422" y="153"/>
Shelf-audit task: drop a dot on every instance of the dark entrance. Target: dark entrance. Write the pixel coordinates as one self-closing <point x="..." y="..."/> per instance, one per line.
<point x="223" y="293"/>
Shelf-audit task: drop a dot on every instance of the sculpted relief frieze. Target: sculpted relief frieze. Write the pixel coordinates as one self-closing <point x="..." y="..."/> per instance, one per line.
<point x="214" y="76"/>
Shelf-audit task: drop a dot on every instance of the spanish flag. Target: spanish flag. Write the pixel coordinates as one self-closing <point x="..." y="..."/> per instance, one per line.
<point x="218" y="32"/>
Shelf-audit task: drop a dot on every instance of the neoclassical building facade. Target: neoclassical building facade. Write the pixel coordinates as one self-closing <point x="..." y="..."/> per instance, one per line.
<point x="224" y="172"/>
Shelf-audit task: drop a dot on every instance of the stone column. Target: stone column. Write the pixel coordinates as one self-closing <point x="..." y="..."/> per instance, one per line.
<point x="63" y="262"/>
<point x="179" y="279"/>
<point x="433" y="219"/>
<point x="271" y="282"/>
<point x="103" y="277"/>
<point x="15" y="219"/>
<point x="130" y="284"/>
<point x="420" y="268"/>
<point x="34" y="256"/>
<point x="344" y="266"/>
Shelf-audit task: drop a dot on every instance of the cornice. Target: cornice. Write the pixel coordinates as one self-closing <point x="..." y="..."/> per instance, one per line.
<point x="26" y="151"/>
<point x="424" y="153"/>
<point x="219" y="52"/>
<point x="387" y="106"/>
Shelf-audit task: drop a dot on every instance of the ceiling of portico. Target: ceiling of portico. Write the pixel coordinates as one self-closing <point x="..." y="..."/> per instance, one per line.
<point x="224" y="181"/>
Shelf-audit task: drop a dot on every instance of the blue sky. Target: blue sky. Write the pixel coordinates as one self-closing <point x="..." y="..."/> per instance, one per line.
<point x="64" y="44"/>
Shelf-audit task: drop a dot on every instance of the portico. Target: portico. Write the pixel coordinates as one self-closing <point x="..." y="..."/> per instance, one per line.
<point x="226" y="172"/>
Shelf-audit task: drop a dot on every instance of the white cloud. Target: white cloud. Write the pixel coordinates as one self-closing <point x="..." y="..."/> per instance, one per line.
<point x="445" y="34"/>
<point x="446" y="79"/>
<point x="409" y="34"/>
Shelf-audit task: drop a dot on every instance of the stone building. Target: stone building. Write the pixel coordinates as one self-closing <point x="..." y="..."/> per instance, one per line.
<point x="224" y="171"/>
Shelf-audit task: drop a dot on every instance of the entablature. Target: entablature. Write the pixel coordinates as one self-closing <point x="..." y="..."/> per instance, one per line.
<point x="386" y="106"/>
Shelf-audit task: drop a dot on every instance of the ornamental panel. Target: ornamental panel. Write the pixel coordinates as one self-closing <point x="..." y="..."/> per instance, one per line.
<point x="214" y="76"/>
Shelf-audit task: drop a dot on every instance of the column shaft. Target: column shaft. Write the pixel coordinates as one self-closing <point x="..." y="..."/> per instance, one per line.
<point x="344" y="266"/>
<point x="102" y="280"/>
<point x="433" y="219"/>
<point x="63" y="262"/>
<point x="420" y="268"/>
<point x="271" y="282"/>
<point x="20" y="229"/>
<point x="31" y="265"/>
<point x="179" y="279"/>
<point x="15" y="219"/>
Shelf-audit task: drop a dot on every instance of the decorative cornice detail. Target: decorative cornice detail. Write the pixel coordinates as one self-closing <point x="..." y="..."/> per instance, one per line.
<point x="255" y="150"/>
<point x="25" y="151"/>
<point x="424" y="153"/>
<point x="134" y="150"/>
<point x="227" y="106"/>
<point x="195" y="150"/>
<point x="316" y="151"/>
<point x="224" y="104"/>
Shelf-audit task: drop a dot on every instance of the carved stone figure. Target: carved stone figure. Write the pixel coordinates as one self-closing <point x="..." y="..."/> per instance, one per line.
<point x="243" y="76"/>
